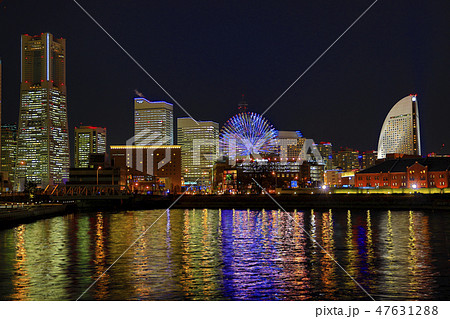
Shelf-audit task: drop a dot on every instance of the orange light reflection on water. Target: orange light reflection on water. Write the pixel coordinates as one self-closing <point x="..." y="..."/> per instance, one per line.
<point x="21" y="280"/>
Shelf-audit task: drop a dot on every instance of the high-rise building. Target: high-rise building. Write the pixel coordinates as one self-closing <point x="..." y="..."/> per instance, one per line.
<point x="289" y="144"/>
<point x="347" y="159"/>
<point x="153" y="122"/>
<point x="88" y="140"/>
<point x="42" y="138"/>
<point x="199" y="143"/>
<point x="0" y="99"/>
<point x="8" y="150"/>
<point x="368" y="159"/>
<point x="400" y="133"/>
<point x="326" y="150"/>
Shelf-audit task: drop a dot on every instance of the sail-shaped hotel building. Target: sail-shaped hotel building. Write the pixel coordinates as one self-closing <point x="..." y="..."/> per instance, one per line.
<point x="400" y="133"/>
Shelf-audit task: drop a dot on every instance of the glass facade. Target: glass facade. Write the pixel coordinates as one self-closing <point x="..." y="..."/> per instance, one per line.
<point x="42" y="139"/>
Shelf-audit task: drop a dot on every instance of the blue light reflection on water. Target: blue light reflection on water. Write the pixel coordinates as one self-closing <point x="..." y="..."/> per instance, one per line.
<point x="228" y="255"/>
<point x="249" y="266"/>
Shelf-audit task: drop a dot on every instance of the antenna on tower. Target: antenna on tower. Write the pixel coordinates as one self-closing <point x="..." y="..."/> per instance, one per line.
<point x="242" y="106"/>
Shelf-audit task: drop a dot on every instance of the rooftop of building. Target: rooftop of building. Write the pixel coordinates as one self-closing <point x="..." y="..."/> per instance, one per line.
<point x="118" y="147"/>
<point x="191" y="122"/>
<point x="434" y="164"/>
<point x="142" y="102"/>
<point x="289" y="134"/>
<point x="87" y="127"/>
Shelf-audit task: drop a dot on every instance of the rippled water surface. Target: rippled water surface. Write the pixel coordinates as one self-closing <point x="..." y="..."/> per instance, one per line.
<point x="229" y="255"/>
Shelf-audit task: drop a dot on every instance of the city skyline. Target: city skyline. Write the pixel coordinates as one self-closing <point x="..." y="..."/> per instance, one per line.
<point x="298" y="167"/>
<point x="258" y="68"/>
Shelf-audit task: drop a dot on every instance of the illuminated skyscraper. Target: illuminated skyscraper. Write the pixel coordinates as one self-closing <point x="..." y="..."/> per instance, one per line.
<point x="199" y="143"/>
<point x="400" y="133"/>
<point x="8" y="149"/>
<point x="88" y="140"/>
<point x="368" y="159"/>
<point x="0" y="99"/>
<point x="42" y="139"/>
<point x="153" y="122"/>
<point x="326" y="150"/>
<point x="289" y="144"/>
<point x="347" y="159"/>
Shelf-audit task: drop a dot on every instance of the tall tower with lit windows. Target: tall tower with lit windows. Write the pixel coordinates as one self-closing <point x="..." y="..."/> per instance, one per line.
<point x="153" y="122"/>
<point x="0" y="101"/>
<point x="42" y="137"/>
<point x="199" y="141"/>
<point x="88" y="140"/>
<point x="400" y="133"/>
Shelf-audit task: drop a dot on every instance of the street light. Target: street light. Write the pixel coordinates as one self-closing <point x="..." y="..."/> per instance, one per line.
<point x="98" y="168"/>
<point x="276" y="179"/>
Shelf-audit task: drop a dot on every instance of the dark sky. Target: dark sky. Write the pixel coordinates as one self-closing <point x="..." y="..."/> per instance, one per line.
<point x="206" y="53"/>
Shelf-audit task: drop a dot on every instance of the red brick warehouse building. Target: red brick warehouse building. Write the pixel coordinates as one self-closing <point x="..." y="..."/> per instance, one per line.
<point x="430" y="172"/>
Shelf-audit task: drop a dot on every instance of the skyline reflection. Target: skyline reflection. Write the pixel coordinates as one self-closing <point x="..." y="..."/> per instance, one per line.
<point x="224" y="255"/>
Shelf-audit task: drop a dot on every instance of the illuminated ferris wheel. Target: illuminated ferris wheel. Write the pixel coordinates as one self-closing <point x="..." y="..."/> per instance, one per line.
<point x="247" y="134"/>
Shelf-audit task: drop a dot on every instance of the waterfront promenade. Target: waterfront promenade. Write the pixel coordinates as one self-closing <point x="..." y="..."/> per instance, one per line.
<point x="14" y="213"/>
<point x="316" y="201"/>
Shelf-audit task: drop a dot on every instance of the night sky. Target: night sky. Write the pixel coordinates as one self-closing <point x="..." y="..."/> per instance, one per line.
<point x="207" y="53"/>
